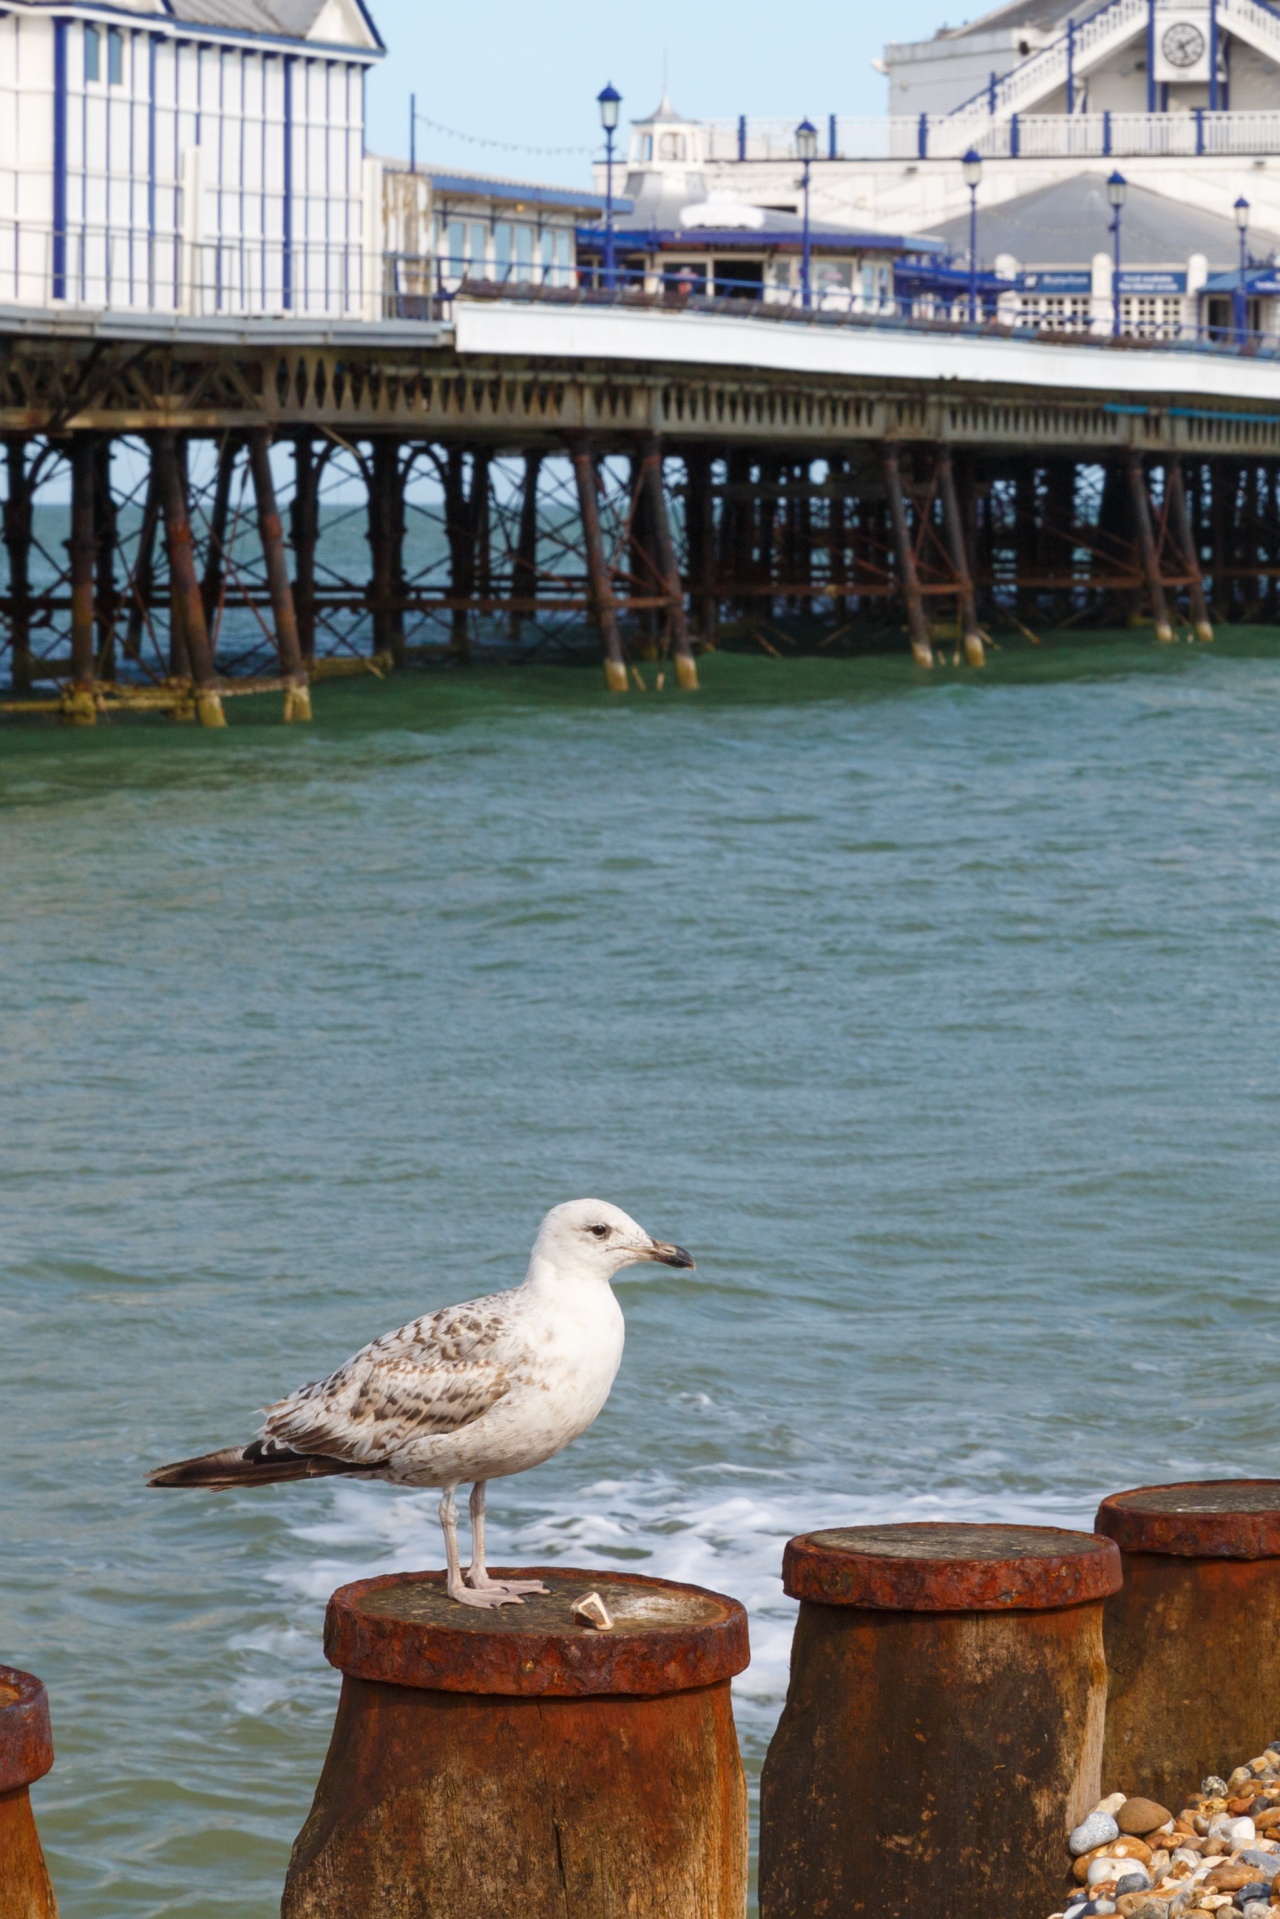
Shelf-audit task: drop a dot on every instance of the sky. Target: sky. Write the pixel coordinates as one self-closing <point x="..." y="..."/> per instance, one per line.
<point x="529" y="74"/>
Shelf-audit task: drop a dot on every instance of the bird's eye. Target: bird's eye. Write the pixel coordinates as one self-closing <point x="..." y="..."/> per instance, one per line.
<point x="601" y="1232"/>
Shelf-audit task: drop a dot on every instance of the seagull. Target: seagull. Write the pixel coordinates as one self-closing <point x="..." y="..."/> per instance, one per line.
<point x="470" y="1393"/>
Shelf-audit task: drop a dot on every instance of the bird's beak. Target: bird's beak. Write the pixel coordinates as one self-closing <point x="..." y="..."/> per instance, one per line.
<point x="667" y="1255"/>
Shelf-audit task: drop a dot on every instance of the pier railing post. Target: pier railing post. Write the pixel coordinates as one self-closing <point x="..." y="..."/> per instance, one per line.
<point x="297" y="694"/>
<point x="1181" y="526"/>
<point x="17" y="541"/>
<point x="908" y="576"/>
<point x="673" y="585"/>
<point x="82" y="549"/>
<point x="974" y="651"/>
<point x="604" y="606"/>
<point x="1141" y="506"/>
<point x="528" y="1767"/>
<point x="1193" y="1636"/>
<point x="943" y="1724"/>
<point x="26" y="1754"/>
<point x="186" y="586"/>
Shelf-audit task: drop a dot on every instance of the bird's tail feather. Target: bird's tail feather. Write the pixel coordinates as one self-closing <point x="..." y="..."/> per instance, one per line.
<point x="262" y="1462"/>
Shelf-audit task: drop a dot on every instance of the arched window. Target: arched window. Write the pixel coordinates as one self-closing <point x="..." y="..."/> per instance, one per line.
<point x="671" y="146"/>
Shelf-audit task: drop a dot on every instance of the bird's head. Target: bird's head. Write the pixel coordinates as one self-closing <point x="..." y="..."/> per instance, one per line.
<point x="590" y="1237"/>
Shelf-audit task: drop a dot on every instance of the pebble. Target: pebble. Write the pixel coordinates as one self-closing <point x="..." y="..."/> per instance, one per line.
<point x="1141" y="1816"/>
<point x="1213" y="1787"/>
<point x="1256" y="1909"/>
<point x="1097" y="1830"/>
<point x="1132" y="1882"/>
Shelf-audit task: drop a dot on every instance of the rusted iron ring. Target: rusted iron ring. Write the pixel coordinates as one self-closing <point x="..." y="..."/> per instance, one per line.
<point x="26" y="1739"/>
<point x="941" y="1567"/>
<point x="1197" y="1519"/>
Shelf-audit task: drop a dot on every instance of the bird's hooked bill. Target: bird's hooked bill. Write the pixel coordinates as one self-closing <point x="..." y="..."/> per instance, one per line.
<point x="669" y="1255"/>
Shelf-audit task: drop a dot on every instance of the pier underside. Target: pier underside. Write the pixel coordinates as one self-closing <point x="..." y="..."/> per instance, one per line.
<point x="184" y="520"/>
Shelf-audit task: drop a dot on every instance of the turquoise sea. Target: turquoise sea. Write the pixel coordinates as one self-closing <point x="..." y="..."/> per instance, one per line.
<point x="938" y="1015"/>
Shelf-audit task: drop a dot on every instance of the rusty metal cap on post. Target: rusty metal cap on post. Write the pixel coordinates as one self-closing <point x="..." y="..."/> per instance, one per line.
<point x="939" y="1567"/>
<point x="404" y="1630"/>
<point x="1203" y="1519"/>
<point x="26" y="1740"/>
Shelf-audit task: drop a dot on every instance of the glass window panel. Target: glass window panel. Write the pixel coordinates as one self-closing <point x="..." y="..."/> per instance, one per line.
<point x="546" y="253"/>
<point x="478" y="251"/>
<point x="115" y="56"/>
<point x="455" y="264"/>
<point x="524" y="253"/>
<point x="502" y="250"/>
<point x="92" y="58"/>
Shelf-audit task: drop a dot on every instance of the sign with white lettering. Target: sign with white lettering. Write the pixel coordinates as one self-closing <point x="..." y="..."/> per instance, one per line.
<point x="1056" y="280"/>
<point x="1151" y="280"/>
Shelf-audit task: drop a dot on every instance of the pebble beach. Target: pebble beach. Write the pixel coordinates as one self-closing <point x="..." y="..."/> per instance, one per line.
<point x="1220" y="1850"/>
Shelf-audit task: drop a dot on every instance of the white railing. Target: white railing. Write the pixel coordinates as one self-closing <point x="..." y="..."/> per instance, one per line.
<point x="1052" y="136"/>
<point x="1038" y="75"/>
<point x="1254" y="21"/>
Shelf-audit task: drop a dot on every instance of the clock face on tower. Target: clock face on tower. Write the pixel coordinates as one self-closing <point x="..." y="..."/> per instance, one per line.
<point x="1182" y="44"/>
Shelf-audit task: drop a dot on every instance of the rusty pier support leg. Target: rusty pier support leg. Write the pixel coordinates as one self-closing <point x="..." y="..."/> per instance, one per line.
<point x="932" y="1666"/>
<point x="673" y="585"/>
<point x="106" y="540"/>
<point x="974" y="651"/>
<point x="908" y="577"/>
<point x="700" y="532"/>
<point x="1193" y="1638"/>
<point x="1140" y="503"/>
<point x="524" y="566"/>
<point x="1181" y="524"/>
<point x="297" y="693"/>
<point x="186" y="586"/>
<point x="26" y="1754"/>
<point x="304" y="531"/>
<point x="215" y="555"/>
<point x="17" y="542"/>
<point x="483" y="1768"/>
<point x="604" y="606"/>
<point x="386" y="545"/>
<point x="79" y="707"/>
<point x="142" y="584"/>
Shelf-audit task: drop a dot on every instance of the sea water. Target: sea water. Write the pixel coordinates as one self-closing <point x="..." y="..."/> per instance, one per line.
<point x="939" y="1016"/>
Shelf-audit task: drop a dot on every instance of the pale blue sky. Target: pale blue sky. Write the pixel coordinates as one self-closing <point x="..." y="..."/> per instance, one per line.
<point x="504" y="69"/>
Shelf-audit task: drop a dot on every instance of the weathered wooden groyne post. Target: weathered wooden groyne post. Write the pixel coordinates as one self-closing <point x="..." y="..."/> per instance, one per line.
<point x="522" y="1762"/>
<point x="944" y="1721"/>
<point x="26" y="1754"/>
<point x="1193" y="1636"/>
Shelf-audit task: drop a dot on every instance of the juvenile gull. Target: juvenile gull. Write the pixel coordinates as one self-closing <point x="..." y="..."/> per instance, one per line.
<point x="471" y="1393"/>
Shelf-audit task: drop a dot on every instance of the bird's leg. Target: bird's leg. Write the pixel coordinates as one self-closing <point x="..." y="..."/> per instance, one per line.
<point x="477" y="1576"/>
<point x="454" y="1583"/>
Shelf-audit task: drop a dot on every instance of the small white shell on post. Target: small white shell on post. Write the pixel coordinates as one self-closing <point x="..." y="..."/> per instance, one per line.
<point x="592" y="1611"/>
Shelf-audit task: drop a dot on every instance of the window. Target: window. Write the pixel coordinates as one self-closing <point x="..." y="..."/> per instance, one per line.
<point x="524" y="253"/>
<point x="455" y="249"/>
<point x="478" y="251"/>
<point x="503" y="250"/>
<point x="671" y="146"/>
<point x="92" y="54"/>
<point x="547" y="256"/>
<point x="564" y="257"/>
<point x="115" y="56"/>
<point x="645" y="145"/>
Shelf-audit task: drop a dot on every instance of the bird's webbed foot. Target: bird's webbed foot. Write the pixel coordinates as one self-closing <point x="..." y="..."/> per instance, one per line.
<point x="513" y="1586"/>
<point x="486" y="1597"/>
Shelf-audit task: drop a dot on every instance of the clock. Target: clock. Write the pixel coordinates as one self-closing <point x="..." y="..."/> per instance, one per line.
<point x="1182" y="44"/>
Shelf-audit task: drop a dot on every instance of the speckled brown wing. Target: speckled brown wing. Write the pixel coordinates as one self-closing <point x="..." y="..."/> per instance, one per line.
<point x="434" y="1375"/>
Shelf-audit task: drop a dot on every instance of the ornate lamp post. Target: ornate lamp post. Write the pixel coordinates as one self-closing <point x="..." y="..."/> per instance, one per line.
<point x="1242" y="292"/>
<point x="1117" y="188"/>
<point x="609" y="100"/>
<point x="972" y="168"/>
<point x="807" y="148"/>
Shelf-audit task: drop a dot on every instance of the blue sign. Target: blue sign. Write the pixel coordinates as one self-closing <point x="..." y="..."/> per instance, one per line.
<point x="1056" y="280"/>
<point x="1141" y="280"/>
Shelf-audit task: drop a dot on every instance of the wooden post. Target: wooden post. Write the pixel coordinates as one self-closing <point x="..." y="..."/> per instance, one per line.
<point x="17" y="541"/>
<point x="974" y="651"/>
<point x="908" y="578"/>
<point x="943" y="1725"/>
<point x="484" y="1766"/>
<point x="105" y="534"/>
<point x="304" y="529"/>
<point x="524" y="569"/>
<point x="79" y="707"/>
<point x="1141" y="505"/>
<point x="185" y="585"/>
<point x="144" y="566"/>
<point x="672" y="584"/>
<point x="26" y="1754"/>
<point x="1181" y="526"/>
<point x="386" y="544"/>
<point x="1193" y="1637"/>
<point x="599" y="584"/>
<point x="215" y="547"/>
<point x="297" y="694"/>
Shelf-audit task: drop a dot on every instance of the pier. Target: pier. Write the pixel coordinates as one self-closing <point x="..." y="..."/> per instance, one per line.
<point x="621" y="471"/>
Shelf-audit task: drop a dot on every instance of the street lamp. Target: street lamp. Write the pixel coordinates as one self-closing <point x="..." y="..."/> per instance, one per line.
<point x="1117" y="188"/>
<point x="807" y="148"/>
<point x="609" y="100"/>
<point x="972" y="168"/>
<point x="1242" y="294"/>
